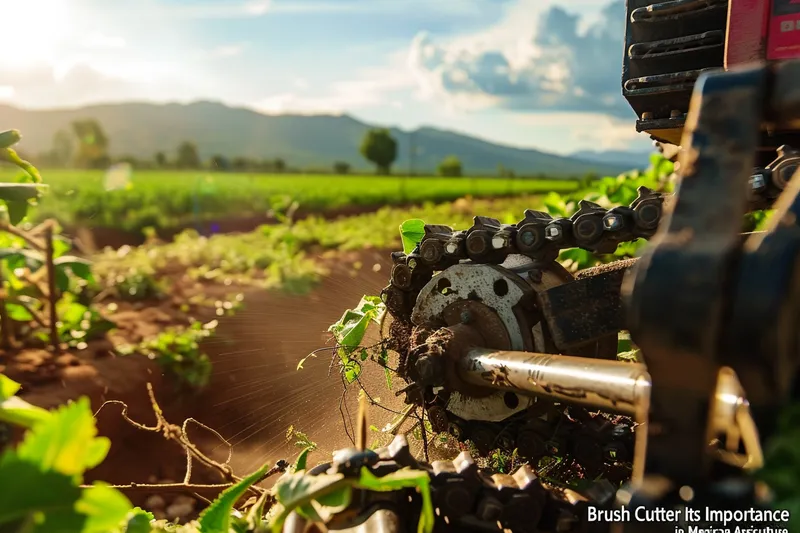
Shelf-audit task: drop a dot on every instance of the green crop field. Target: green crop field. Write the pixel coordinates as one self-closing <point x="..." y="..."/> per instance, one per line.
<point x="138" y="199"/>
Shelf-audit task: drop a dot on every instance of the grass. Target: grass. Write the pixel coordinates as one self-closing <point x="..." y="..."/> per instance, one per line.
<point x="163" y="199"/>
<point x="277" y="256"/>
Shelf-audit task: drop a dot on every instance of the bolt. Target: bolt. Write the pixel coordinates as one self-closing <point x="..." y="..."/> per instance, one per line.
<point x="451" y="248"/>
<point x="648" y="115"/>
<point x="499" y="242"/>
<point x="553" y="232"/>
<point x="466" y="317"/>
<point x="612" y="222"/>
<point x="412" y="264"/>
<point x="757" y="182"/>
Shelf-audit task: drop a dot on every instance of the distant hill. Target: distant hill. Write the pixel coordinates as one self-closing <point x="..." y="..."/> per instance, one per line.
<point x="142" y="129"/>
<point x="624" y="158"/>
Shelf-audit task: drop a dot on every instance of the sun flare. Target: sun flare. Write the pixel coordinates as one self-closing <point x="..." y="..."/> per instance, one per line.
<point x="36" y="27"/>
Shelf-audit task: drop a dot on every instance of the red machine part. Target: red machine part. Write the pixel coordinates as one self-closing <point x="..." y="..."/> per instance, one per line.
<point x="762" y="29"/>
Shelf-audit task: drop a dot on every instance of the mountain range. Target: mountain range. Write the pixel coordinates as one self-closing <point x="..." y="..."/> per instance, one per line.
<point x="317" y="141"/>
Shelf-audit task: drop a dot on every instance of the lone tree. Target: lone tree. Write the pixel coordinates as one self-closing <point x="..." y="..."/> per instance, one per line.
<point x="161" y="159"/>
<point x="92" y="144"/>
<point x="380" y="148"/>
<point x="341" y="167"/>
<point x="188" y="157"/>
<point x="450" y="167"/>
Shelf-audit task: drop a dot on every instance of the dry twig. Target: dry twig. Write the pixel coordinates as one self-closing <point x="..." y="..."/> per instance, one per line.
<point x="178" y="434"/>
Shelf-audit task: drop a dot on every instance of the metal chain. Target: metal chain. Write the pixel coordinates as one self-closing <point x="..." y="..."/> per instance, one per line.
<point x="464" y="497"/>
<point x="597" y="443"/>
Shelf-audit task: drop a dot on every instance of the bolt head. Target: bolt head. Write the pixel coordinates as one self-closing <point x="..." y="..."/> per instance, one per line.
<point x="466" y="317"/>
<point x="612" y="222"/>
<point x="499" y="242"/>
<point x="553" y="232"/>
<point x="757" y="182"/>
<point x="451" y="248"/>
<point x="412" y="263"/>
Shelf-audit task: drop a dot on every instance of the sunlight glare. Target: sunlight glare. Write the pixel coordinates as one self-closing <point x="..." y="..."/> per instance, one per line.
<point x="39" y="26"/>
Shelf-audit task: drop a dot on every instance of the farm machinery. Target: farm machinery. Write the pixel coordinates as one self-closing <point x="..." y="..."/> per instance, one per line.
<point x="504" y="348"/>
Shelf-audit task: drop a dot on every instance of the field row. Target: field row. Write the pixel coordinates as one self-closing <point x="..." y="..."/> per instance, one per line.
<point x="134" y="200"/>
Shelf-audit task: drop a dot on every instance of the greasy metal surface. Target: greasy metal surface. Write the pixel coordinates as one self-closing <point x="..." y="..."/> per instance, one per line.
<point x="613" y="386"/>
<point x="761" y="339"/>
<point x="492" y="285"/>
<point x="586" y="310"/>
<point x="660" y="109"/>
<point x="677" y="296"/>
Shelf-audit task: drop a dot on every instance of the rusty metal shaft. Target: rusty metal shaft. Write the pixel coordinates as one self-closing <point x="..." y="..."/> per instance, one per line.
<point x="607" y="385"/>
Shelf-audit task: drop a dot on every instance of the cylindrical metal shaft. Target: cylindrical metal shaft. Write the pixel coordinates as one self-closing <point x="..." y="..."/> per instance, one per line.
<point x="607" y="385"/>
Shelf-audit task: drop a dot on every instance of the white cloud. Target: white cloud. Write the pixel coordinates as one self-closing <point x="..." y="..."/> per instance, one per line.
<point x="536" y="58"/>
<point x="594" y="130"/>
<point x="372" y="88"/>
<point x="101" y="40"/>
<point x="228" y="50"/>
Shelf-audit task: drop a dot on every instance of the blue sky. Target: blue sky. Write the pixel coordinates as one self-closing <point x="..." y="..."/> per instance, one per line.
<point x="530" y="73"/>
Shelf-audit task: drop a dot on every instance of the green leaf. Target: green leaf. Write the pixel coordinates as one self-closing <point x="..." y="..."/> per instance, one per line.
<point x="18" y="313"/>
<point x="17" y="257"/>
<point x="352" y="370"/>
<point x="216" y="518"/>
<point x="104" y="506"/>
<point x="403" y="479"/>
<point x="61" y="245"/>
<point x="9" y="138"/>
<point x="138" y="521"/>
<point x="297" y="490"/>
<point x="8" y="387"/>
<point x="19" y="192"/>
<point x="66" y="442"/>
<point x="16" y="211"/>
<point x="256" y="513"/>
<point x="411" y="233"/>
<point x="7" y="154"/>
<point x="15" y="410"/>
<point x="302" y="459"/>
<point x="45" y="499"/>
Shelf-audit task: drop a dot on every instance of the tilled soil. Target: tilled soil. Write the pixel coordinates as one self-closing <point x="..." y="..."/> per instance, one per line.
<point x="256" y="391"/>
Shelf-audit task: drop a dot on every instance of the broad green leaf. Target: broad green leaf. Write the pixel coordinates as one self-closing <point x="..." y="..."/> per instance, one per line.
<point x="104" y="506"/>
<point x="66" y="442"/>
<point x="61" y="245"/>
<point x="16" y="211"/>
<point x="332" y="503"/>
<point x="16" y="257"/>
<point x="19" y="192"/>
<point x="9" y="138"/>
<point x="8" y="387"/>
<point x="216" y="518"/>
<point x="411" y="233"/>
<point x="405" y="478"/>
<point x="14" y="410"/>
<point x="48" y="496"/>
<point x="293" y="491"/>
<point x="18" y="313"/>
<point x="138" y="521"/>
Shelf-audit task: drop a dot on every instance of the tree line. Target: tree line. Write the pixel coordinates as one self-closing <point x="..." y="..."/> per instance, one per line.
<point x="86" y="145"/>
